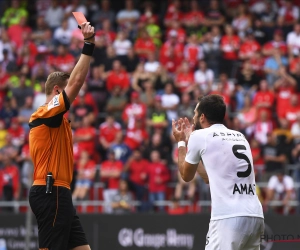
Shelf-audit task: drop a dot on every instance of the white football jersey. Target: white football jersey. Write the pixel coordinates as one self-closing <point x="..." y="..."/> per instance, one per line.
<point x="227" y="158"/>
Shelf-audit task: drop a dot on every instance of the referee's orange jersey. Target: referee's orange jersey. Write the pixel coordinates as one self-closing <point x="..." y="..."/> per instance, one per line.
<point x="50" y="142"/>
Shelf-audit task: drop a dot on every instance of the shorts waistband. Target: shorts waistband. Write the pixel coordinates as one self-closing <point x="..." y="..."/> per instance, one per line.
<point x="56" y="183"/>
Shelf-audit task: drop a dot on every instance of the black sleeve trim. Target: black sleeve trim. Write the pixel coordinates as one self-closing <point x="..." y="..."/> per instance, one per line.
<point x="52" y="122"/>
<point x="66" y="99"/>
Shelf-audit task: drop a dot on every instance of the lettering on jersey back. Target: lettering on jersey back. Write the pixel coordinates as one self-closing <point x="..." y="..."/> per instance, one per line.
<point x="244" y="189"/>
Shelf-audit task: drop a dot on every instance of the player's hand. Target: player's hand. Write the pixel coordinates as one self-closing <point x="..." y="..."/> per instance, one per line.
<point x="87" y="32"/>
<point x="178" y="128"/>
<point x="188" y="128"/>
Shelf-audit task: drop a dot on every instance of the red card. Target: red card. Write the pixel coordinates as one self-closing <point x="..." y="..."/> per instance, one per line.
<point x="80" y="18"/>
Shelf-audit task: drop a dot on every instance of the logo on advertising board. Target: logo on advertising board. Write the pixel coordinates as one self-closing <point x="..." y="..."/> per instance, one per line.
<point x="139" y="238"/>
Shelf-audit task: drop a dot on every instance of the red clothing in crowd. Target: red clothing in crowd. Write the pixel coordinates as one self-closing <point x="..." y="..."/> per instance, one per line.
<point x="184" y="80"/>
<point x="113" y="183"/>
<point x="178" y="49"/>
<point x="232" y="3"/>
<point x="89" y="100"/>
<point x="3" y="79"/>
<point x="284" y="95"/>
<point x="270" y="46"/>
<point x="248" y="48"/>
<point x="89" y="145"/>
<point x="144" y="44"/>
<point x="291" y="114"/>
<point x="132" y="111"/>
<point x="117" y="79"/>
<point x="175" y="15"/>
<point x="181" y="34"/>
<point x="136" y="170"/>
<point x="109" y="36"/>
<point x="88" y="168"/>
<point x="134" y="137"/>
<point x="194" y="16"/>
<point x="267" y="97"/>
<point x="63" y="63"/>
<point x="109" y="133"/>
<point x="157" y="172"/>
<point x="230" y="46"/>
<point x="170" y="62"/>
<point x="15" y="33"/>
<point x="293" y="64"/>
<point x="192" y="54"/>
<point x="16" y="134"/>
<point x="10" y="175"/>
<point x="257" y="156"/>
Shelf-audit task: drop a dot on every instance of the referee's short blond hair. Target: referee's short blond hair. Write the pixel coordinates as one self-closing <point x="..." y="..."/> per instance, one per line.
<point x="56" y="78"/>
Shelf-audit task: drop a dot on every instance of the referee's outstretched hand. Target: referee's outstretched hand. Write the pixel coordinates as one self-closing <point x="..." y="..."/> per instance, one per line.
<point x="88" y="32"/>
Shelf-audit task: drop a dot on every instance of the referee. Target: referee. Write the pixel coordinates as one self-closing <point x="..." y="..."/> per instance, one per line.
<point x="51" y="149"/>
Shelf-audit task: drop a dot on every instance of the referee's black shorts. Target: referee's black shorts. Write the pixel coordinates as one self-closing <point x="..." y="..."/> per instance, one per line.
<point x="58" y="225"/>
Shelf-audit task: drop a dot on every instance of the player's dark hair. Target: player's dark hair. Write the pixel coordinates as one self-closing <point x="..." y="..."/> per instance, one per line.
<point x="213" y="107"/>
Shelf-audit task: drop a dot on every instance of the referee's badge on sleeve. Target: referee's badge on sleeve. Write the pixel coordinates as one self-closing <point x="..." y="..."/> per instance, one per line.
<point x="54" y="102"/>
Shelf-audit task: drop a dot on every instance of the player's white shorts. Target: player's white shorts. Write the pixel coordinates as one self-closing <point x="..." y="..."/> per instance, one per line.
<point x="236" y="233"/>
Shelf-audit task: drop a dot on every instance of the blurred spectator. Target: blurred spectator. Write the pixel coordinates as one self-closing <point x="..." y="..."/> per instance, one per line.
<point x="284" y="87"/>
<point x="169" y="59"/>
<point x="214" y="14"/>
<point x="230" y="45"/>
<point x="293" y="40"/>
<point x="63" y="35"/>
<point x="117" y="77"/>
<point x="288" y="15"/>
<point x="137" y="136"/>
<point x="63" y="61"/>
<point x="292" y="110"/>
<point x="109" y="131"/>
<point x="268" y="17"/>
<point x="185" y="109"/>
<point x="176" y="27"/>
<point x="39" y="32"/>
<point x="249" y="46"/>
<point x="134" y="110"/>
<point x="193" y="51"/>
<point x="259" y="32"/>
<point x="74" y="6"/>
<point x="107" y="32"/>
<point x="121" y="45"/>
<point x="157" y="117"/>
<point x="204" y="77"/>
<point x="102" y="14"/>
<point x="16" y="133"/>
<point x="121" y="202"/>
<point x="258" y="161"/>
<point x="14" y="14"/>
<point x="131" y="61"/>
<point x="6" y="47"/>
<point x="3" y="134"/>
<point x="108" y="59"/>
<point x="242" y="22"/>
<point x="10" y="179"/>
<point x="274" y="156"/>
<point x="295" y="129"/>
<point x="277" y="42"/>
<point x="158" y="175"/>
<point x="120" y="148"/>
<point x="148" y="96"/>
<point x="86" y="170"/>
<point x="175" y="208"/>
<point x="194" y="19"/>
<point x="80" y="111"/>
<point x="264" y="99"/>
<point x="21" y="92"/>
<point x="15" y="32"/>
<point x="172" y="44"/>
<point x="173" y="13"/>
<point x="26" y="164"/>
<point x="84" y="138"/>
<point x="8" y="111"/>
<point x="170" y="102"/>
<point x="110" y="173"/>
<point x="154" y="30"/>
<point x="184" y="80"/>
<point x="39" y="98"/>
<point x="152" y="64"/>
<point x="144" y="45"/>
<point x="136" y="168"/>
<point x="263" y="127"/>
<point x="54" y="15"/>
<point x="280" y="188"/>
<point x="272" y="66"/>
<point x="246" y="117"/>
<point x="116" y="103"/>
<point x="212" y="51"/>
<point x="127" y="18"/>
<point x="25" y="112"/>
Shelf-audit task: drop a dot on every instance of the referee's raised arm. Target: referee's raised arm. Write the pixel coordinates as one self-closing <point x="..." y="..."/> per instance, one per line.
<point x="80" y="70"/>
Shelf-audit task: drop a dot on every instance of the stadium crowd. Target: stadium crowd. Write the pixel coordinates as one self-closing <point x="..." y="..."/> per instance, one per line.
<point x="151" y="63"/>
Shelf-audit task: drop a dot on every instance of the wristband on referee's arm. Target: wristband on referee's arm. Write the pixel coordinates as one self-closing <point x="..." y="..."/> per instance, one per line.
<point x="88" y="48"/>
<point x="181" y="144"/>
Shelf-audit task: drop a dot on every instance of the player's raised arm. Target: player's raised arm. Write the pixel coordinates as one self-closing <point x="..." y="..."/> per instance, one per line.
<point x="80" y="70"/>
